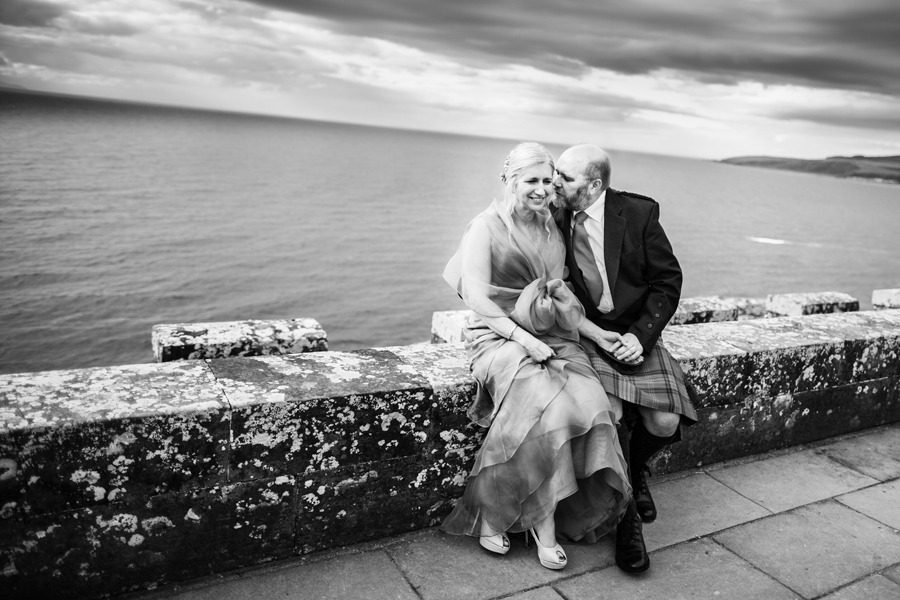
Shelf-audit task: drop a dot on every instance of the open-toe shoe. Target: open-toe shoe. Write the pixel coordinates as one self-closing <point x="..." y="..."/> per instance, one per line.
<point x="497" y="543"/>
<point x="551" y="558"/>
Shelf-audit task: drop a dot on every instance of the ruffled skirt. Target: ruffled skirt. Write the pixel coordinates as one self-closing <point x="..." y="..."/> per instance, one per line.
<point x="552" y="447"/>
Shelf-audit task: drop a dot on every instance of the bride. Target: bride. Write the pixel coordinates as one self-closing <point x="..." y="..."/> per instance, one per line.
<point x="551" y="461"/>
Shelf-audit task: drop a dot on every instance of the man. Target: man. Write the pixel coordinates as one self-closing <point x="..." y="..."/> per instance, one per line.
<point x="622" y="268"/>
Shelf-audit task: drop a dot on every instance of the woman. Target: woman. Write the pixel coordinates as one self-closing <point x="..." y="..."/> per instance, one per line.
<point x="551" y="461"/>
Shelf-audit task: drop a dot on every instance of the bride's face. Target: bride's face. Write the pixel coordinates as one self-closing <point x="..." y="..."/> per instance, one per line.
<point x="534" y="188"/>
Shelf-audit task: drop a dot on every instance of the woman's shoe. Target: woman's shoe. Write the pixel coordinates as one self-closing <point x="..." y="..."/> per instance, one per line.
<point x="498" y="543"/>
<point x="551" y="558"/>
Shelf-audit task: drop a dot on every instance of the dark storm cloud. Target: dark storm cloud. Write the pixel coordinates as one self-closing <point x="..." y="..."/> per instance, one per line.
<point x="28" y="13"/>
<point x="822" y="43"/>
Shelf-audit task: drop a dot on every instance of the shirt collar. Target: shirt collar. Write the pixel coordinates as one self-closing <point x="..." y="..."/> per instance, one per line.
<point x="595" y="210"/>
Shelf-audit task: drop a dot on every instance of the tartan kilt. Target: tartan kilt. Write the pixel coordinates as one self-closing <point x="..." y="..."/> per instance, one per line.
<point x="658" y="384"/>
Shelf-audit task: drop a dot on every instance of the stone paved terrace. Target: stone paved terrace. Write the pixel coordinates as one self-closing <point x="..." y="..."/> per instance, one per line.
<point x="818" y="521"/>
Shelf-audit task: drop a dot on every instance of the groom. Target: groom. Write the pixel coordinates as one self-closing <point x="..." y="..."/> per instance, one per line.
<point x="622" y="269"/>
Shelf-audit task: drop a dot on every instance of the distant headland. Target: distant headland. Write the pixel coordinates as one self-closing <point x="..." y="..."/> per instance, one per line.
<point x="883" y="169"/>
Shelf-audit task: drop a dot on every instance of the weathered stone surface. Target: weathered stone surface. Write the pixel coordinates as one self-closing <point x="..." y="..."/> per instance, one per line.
<point x="377" y="439"/>
<point x="109" y="549"/>
<point x="815" y="549"/>
<point x="311" y="412"/>
<point x="187" y="341"/>
<point x="748" y="308"/>
<point x="369" y="501"/>
<point x="115" y="434"/>
<point x="760" y="424"/>
<point x="882" y="299"/>
<point x="447" y="326"/>
<point x="704" y="309"/>
<point x="812" y="303"/>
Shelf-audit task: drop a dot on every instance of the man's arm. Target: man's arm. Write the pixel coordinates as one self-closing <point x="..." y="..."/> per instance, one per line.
<point x="663" y="275"/>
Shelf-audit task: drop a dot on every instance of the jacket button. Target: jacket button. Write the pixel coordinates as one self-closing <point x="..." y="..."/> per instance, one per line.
<point x="657" y="315"/>
<point x="659" y="304"/>
<point x="649" y="325"/>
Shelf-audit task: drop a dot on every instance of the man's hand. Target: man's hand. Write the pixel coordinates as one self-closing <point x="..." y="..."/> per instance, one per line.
<point x="629" y="349"/>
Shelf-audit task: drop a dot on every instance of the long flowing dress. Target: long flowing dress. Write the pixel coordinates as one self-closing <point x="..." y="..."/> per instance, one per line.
<point x="552" y="446"/>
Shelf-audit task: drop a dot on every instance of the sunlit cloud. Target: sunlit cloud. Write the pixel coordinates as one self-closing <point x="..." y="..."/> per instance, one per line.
<point x="708" y="79"/>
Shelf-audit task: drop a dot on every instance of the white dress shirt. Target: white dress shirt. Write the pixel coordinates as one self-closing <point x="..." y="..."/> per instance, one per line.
<point x="594" y="227"/>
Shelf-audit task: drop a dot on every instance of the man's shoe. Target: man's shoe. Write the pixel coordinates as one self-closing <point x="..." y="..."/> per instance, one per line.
<point x="631" y="554"/>
<point x="642" y="498"/>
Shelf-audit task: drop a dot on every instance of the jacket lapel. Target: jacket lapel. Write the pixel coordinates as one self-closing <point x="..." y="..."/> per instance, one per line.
<point x="613" y="235"/>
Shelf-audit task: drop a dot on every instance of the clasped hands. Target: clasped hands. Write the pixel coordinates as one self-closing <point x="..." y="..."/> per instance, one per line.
<point x="625" y="347"/>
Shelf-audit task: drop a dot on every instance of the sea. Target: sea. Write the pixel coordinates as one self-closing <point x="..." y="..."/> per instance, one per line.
<point x="116" y="216"/>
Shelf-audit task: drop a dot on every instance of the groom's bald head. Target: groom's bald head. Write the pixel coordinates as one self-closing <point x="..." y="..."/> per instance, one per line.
<point x="591" y="161"/>
<point x="583" y="174"/>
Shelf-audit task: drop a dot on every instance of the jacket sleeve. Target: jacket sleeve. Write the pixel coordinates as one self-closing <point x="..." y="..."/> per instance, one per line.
<point x="663" y="276"/>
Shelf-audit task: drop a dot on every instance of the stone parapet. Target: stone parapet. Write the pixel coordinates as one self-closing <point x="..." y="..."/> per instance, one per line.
<point x="191" y="341"/>
<point x="125" y="478"/>
<point x="882" y="299"/>
<point x="447" y="326"/>
<point x="704" y="309"/>
<point x="813" y="303"/>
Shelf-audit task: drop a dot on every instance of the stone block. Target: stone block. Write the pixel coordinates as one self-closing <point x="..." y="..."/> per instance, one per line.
<point x="109" y="549"/>
<point x="448" y="326"/>
<point x="812" y="303"/>
<point x="446" y="367"/>
<point x="760" y="424"/>
<point x="189" y="341"/>
<point x="704" y="309"/>
<point x="109" y="435"/>
<point x="882" y="299"/>
<point x="318" y="411"/>
<point x="748" y="308"/>
<point x="368" y="501"/>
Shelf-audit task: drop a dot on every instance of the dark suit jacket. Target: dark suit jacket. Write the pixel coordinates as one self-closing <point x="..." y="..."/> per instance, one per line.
<point x="643" y="273"/>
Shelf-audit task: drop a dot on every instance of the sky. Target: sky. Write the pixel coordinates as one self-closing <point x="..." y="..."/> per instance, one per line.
<point x="699" y="78"/>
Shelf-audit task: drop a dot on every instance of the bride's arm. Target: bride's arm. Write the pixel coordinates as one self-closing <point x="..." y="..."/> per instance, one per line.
<point x="477" y="276"/>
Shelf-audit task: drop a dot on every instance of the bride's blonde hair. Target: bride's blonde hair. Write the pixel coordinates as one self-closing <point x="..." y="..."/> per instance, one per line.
<point x="523" y="156"/>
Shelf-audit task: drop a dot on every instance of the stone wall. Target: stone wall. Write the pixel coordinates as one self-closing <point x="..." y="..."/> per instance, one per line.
<point x="126" y="478"/>
<point x="448" y="326"/>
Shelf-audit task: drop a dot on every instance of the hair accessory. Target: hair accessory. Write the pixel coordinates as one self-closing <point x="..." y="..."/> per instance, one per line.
<point x="505" y="167"/>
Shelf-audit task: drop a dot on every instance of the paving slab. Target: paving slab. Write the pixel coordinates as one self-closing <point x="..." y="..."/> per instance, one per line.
<point x="441" y="566"/>
<point x="893" y="574"/>
<point x="815" y="549"/>
<point x="870" y="588"/>
<point x="881" y="502"/>
<point x="365" y="575"/>
<point x="542" y="593"/>
<point x="700" y="569"/>
<point x="876" y="454"/>
<point x="791" y="480"/>
<point x="695" y="506"/>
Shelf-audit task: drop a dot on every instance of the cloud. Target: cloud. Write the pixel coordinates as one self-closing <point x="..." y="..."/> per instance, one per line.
<point x="29" y="13"/>
<point x="824" y="43"/>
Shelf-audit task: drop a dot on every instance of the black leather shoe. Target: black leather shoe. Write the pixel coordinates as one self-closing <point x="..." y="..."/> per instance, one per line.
<point x="631" y="553"/>
<point x="642" y="498"/>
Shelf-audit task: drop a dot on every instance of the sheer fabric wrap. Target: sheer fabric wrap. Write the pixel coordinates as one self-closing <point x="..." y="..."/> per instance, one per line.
<point x="552" y="446"/>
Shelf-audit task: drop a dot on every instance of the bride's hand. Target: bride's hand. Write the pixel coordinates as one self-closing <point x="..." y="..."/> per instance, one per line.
<point x="536" y="349"/>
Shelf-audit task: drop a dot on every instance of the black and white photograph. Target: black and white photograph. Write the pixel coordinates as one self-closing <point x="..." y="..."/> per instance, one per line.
<point x="437" y="300"/>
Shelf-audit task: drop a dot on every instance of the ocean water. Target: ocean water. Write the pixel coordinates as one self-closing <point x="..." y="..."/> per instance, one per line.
<point x="115" y="217"/>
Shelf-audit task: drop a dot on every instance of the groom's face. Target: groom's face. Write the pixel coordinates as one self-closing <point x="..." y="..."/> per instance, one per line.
<point x="571" y="188"/>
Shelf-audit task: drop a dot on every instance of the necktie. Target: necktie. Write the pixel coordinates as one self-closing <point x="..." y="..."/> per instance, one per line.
<point x="584" y="258"/>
